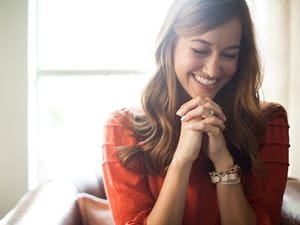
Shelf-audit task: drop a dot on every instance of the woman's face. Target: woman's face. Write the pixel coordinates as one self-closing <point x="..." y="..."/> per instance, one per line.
<point x="205" y="63"/>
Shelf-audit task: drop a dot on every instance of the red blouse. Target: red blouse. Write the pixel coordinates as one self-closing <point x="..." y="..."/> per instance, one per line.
<point x="132" y="195"/>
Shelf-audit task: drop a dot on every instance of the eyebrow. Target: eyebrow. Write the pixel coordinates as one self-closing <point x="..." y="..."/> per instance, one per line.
<point x="210" y="44"/>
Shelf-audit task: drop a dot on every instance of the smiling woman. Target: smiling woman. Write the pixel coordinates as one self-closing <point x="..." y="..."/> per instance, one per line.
<point x="202" y="141"/>
<point x="204" y="67"/>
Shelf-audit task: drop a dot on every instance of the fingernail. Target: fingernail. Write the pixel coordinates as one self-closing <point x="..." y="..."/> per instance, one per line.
<point x="224" y="118"/>
<point x="182" y="118"/>
<point x="179" y="112"/>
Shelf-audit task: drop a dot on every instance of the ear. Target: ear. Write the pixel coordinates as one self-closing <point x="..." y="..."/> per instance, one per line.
<point x="93" y="210"/>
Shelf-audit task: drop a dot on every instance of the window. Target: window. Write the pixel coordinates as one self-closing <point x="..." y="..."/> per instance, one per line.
<point x="93" y="57"/>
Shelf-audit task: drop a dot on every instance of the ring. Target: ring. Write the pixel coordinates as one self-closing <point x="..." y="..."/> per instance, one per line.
<point x="211" y="113"/>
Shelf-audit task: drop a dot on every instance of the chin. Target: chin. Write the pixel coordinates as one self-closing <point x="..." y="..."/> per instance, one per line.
<point x="203" y="95"/>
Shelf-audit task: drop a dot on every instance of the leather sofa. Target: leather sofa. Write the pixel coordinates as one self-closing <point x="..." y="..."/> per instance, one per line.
<point x="59" y="202"/>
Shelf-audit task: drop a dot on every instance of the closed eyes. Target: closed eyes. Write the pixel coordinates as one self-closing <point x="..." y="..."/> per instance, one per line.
<point x="204" y="53"/>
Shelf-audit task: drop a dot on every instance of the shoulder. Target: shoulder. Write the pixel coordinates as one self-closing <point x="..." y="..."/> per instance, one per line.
<point x="119" y="136"/>
<point x="119" y="127"/>
<point x="273" y="111"/>
<point x="116" y="117"/>
<point x="123" y="116"/>
<point x="276" y="124"/>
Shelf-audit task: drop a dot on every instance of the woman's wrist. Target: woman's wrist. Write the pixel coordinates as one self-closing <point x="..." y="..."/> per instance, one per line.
<point x="224" y="164"/>
<point x="181" y="163"/>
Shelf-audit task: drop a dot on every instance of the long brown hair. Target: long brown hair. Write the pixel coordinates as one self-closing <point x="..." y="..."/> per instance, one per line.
<point x="157" y="131"/>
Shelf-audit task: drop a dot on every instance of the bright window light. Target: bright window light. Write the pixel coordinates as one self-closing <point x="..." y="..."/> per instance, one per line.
<point x="98" y="34"/>
<point x="72" y="111"/>
<point x="93" y="57"/>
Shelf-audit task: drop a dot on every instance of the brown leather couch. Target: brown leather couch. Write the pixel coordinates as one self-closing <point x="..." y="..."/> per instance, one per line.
<point x="56" y="203"/>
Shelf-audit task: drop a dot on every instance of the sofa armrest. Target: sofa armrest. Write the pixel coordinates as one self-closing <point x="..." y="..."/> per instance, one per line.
<point x="90" y="184"/>
<point x="55" y="202"/>
<point x="290" y="212"/>
<point x="52" y="203"/>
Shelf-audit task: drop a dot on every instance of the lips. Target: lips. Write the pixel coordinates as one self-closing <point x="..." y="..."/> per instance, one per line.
<point x="207" y="82"/>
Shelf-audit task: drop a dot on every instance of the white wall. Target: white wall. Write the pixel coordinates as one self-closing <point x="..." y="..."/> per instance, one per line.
<point x="13" y="102"/>
<point x="294" y="88"/>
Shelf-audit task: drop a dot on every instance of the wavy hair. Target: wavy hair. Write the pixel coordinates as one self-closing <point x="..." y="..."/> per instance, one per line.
<point x="157" y="131"/>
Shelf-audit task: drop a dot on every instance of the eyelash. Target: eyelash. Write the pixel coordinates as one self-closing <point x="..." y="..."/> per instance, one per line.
<point x="199" y="52"/>
<point x="230" y="56"/>
<point x="203" y="53"/>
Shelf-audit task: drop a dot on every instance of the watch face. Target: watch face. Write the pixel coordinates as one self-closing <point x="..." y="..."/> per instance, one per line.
<point x="216" y="179"/>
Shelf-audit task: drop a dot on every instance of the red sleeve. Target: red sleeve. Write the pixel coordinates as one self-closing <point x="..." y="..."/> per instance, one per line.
<point x="266" y="198"/>
<point x="128" y="193"/>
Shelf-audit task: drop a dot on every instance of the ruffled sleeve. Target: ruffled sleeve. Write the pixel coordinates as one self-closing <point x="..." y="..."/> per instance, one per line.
<point x="265" y="195"/>
<point x="128" y="192"/>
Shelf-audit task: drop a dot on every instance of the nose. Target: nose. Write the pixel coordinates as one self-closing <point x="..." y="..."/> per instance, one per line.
<point x="212" y="66"/>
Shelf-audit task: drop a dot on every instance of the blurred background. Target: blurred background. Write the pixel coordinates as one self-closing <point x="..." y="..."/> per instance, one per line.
<point x="65" y="64"/>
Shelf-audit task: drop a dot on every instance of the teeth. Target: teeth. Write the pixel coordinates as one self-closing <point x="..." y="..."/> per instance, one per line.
<point x="205" y="81"/>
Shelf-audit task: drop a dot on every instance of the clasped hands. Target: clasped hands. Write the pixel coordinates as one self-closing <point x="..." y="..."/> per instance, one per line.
<point x="198" y="116"/>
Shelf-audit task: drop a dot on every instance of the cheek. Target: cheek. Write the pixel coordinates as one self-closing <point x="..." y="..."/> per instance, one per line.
<point x="230" y="69"/>
<point x="185" y="63"/>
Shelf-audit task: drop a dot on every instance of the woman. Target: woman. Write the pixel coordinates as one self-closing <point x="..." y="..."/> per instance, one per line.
<point x="203" y="149"/>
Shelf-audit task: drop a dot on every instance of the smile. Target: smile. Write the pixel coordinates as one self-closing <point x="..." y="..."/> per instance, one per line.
<point x="204" y="81"/>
